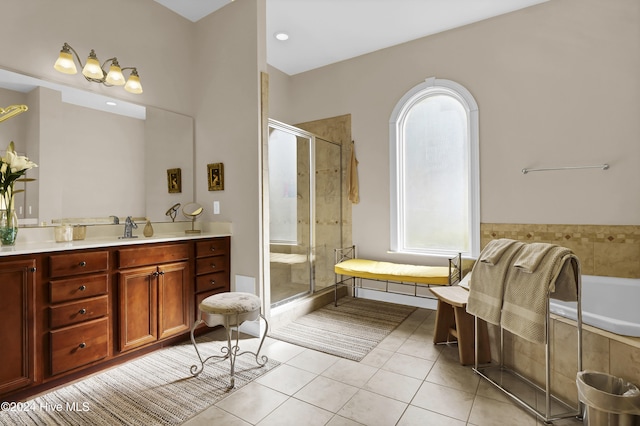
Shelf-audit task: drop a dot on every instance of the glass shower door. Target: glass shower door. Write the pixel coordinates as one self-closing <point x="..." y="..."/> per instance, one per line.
<point x="290" y="220"/>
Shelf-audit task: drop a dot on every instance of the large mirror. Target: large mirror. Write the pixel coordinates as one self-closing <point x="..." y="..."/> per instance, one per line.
<point x="95" y="159"/>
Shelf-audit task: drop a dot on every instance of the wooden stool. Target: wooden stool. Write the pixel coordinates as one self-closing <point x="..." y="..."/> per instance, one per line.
<point x="229" y="310"/>
<point x="452" y="320"/>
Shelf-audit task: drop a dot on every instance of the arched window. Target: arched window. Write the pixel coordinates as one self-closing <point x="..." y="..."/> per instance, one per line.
<point x="435" y="207"/>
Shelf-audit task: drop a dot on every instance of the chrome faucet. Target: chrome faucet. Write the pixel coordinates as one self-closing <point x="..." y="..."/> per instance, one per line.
<point x="116" y="221"/>
<point x="129" y="226"/>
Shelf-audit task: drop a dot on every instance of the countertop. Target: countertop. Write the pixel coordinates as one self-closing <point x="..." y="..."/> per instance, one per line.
<point x="41" y="240"/>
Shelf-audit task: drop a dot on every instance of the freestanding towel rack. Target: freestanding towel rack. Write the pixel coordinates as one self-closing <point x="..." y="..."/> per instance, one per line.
<point x="504" y="378"/>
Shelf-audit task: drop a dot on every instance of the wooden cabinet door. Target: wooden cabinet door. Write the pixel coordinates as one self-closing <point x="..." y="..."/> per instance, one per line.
<point x="173" y="299"/>
<point x="138" y="302"/>
<point x="17" y="333"/>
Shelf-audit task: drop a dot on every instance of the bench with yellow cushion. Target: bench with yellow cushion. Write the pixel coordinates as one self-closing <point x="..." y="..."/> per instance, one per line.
<point x="348" y="267"/>
<point x="387" y="271"/>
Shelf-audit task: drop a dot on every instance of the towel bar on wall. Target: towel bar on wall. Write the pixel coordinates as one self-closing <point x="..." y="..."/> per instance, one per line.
<point x="599" y="166"/>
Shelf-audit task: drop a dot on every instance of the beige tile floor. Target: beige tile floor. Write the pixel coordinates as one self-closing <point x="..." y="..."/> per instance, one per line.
<point x="406" y="380"/>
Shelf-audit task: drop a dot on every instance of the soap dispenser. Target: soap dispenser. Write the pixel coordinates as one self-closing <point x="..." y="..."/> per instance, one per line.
<point x="148" y="229"/>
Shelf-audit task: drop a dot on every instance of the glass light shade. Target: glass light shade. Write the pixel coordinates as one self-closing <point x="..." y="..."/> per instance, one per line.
<point x="92" y="69"/>
<point x="115" y="76"/>
<point x="65" y="63"/>
<point x="133" y="84"/>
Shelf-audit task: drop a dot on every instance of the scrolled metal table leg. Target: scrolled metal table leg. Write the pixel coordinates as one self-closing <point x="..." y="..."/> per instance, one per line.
<point x="261" y="361"/>
<point x="233" y="352"/>
<point x="195" y="371"/>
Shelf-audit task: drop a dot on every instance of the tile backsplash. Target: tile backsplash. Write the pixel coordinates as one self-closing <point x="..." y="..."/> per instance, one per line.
<point x="607" y="250"/>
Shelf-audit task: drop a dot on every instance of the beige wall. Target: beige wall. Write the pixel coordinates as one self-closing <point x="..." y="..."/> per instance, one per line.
<point x="227" y="120"/>
<point x="557" y="85"/>
<point x="281" y="101"/>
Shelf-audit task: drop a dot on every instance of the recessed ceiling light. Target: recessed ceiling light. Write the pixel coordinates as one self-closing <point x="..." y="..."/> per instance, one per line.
<point x="281" y="36"/>
<point x="111" y="103"/>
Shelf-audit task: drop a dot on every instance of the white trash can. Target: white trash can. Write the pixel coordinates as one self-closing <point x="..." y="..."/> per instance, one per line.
<point x="609" y="400"/>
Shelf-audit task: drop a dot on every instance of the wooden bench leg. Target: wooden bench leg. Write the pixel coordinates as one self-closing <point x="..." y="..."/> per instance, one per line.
<point x="445" y="319"/>
<point x="466" y="338"/>
<point x="484" y="347"/>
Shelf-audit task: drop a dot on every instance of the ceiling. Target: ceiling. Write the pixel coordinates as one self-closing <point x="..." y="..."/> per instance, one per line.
<point x="323" y="32"/>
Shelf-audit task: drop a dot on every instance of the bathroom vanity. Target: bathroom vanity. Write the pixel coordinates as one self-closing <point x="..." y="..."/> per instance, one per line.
<point x="69" y="311"/>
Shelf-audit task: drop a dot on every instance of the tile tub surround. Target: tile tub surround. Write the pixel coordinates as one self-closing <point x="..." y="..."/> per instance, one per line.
<point x="608" y="250"/>
<point x="601" y="351"/>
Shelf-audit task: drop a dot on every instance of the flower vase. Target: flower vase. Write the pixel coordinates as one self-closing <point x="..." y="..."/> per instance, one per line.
<point x="8" y="227"/>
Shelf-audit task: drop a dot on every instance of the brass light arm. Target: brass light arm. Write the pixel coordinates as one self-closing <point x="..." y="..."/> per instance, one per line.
<point x="66" y="48"/>
<point x="114" y="60"/>
<point x="11" y="111"/>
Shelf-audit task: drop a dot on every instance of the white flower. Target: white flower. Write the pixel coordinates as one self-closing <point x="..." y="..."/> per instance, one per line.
<point x="12" y="166"/>
<point x="18" y="163"/>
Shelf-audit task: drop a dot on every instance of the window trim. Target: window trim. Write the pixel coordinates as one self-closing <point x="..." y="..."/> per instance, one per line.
<point x="433" y="86"/>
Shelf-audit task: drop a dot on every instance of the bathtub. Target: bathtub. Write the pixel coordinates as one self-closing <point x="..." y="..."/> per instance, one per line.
<point x="608" y="303"/>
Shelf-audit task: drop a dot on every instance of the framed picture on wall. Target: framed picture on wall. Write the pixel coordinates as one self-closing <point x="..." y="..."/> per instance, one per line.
<point x="174" y="180"/>
<point x="215" y="174"/>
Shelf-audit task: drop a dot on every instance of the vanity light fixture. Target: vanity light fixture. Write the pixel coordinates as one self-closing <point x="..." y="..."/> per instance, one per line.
<point x="94" y="72"/>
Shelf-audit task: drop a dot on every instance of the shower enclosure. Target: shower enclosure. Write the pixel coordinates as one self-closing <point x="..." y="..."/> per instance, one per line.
<point x="305" y="208"/>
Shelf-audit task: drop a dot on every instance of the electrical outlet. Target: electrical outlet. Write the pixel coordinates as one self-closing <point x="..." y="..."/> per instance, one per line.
<point x="216" y="207"/>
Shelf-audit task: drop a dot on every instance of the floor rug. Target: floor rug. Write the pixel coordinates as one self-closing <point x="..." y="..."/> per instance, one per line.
<point x="350" y="330"/>
<point x="156" y="389"/>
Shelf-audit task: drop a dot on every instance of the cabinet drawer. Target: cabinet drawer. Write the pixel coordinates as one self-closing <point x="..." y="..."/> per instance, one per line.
<point x="215" y="281"/>
<point x="207" y="265"/>
<point x="213" y="247"/>
<point x="61" y="265"/>
<point x="75" y="312"/>
<point x="142" y="256"/>
<point x="78" y="345"/>
<point x="78" y="288"/>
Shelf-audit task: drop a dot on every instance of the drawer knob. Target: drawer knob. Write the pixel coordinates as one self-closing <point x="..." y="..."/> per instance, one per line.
<point x="82" y="345"/>
<point x="213" y="266"/>
<point x="82" y="288"/>
<point x="83" y="264"/>
<point x="161" y="273"/>
<point x="213" y="282"/>
<point x="82" y="311"/>
<point x="155" y="274"/>
<point x="213" y="249"/>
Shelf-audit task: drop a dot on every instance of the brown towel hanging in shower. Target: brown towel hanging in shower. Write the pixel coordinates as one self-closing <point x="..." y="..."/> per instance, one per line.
<point x="352" y="176"/>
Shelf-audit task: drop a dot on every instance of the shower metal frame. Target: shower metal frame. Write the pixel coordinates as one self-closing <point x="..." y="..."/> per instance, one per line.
<point x="312" y="203"/>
